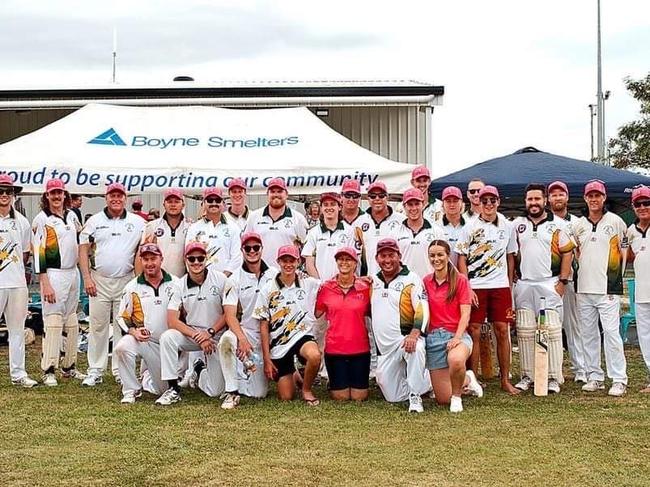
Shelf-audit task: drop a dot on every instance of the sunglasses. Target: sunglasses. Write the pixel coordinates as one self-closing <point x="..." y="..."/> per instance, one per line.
<point x="252" y="248"/>
<point x="473" y="191"/>
<point x="8" y="192"/>
<point x="213" y="200"/>
<point x="644" y="203"/>
<point x="351" y="196"/>
<point x="374" y="196"/>
<point x="195" y="258"/>
<point x="488" y="201"/>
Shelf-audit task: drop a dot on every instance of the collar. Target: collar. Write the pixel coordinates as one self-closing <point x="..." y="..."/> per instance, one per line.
<point x="166" y="278"/>
<point x="324" y="229"/>
<point x="495" y="222"/>
<point x="565" y="218"/>
<point x="263" y="267"/>
<point x="426" y="224"/>
<point x="65" y="214"/>
<point x="191" y="283"/>
<point x="164" y="217"/>
<point x="549" y="218"/>
<point x="243" y="215"/>
<point x="333" y="285"/>
<point x="287" y="213"/>
<point x="403" y="272"/>
<point x="638" y="229"/>
<point x="222" y="219"/>
<point x="349" y="222"/>
<point x="108" y="215"/>
<point x="390" y="212"/>
<point x="446" y="222"/>
<point x="435" y="282"/>
<point x="281" y="284"/>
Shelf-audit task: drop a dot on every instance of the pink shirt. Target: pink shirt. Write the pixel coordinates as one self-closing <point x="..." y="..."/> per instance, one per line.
<point x="441" y="313"/>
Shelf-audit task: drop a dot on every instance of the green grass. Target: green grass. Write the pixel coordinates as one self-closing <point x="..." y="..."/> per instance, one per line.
<point x="73" y="436"/>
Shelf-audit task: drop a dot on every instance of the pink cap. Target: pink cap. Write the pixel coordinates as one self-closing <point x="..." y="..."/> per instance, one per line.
<point x="250" y="236"/>
<point x="119" y="187"/>
<point x="377" y="187"/>
<point x="387" y="244"/>
<point x="558" y="185"/>
<point x="137" y="201"/>
<point x="288" y="250"/>
<point x="8" y="180"/>
<point x="420" y="171"/>
<point x="277" y="183"/>
<point x="193" y="246"/>
<point x="330" y="196"/>
<point x="214" y="191"/>
<point x="54" y="184"/>
<point x="150" y="248"/>
<point x="349" y="251"/>
<point x="351" y="186"/>
<point x="237" y="183"/>
<point x="640" y="192"/>
<point x="412" y="194"/>
<point x="452" y="191"/>
<point x="595" y="186"/>
<point x="177" y="193"/>
<point x="488" y="191"/>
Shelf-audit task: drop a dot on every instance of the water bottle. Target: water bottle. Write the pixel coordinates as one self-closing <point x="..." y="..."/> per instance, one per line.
<point x="251" y="363"/>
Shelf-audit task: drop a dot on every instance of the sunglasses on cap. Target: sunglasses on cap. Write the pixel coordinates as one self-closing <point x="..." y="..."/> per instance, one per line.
<point x="252" y="248"/>
<point x="644" y="203"/>
<point x="6" y="191"/>
<point x="213" y="199"/>
<point x="352" y="196"/>
<point x="195" y="258"/>
<point x="374" y="196"/>
<point x="489" y="201"/>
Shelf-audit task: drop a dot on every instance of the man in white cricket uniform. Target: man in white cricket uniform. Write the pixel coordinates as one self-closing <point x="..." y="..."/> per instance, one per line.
<point x="601" y="242"/>
<point x="220" y="237"/>
<point x="639" y="250"/>
<point x="276" y="223"/>
<point x="56" y="255"/>
<point x="238" y="210"/>
<point x="142" y="317"/>
<point x="545" y="255"/>
<point x="453" y="222"/>
<point x="473" y="189"/>
<point x="107" y="246"/>
<point x="350" y="200"/>
<point x="416" y="233"/>
<point x="14" y="252"/>
<point x="240" y="299"/>
<point x="399" y="319"/>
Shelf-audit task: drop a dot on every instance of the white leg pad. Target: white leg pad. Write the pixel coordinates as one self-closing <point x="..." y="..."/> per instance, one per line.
<point x="555" y="352"/>
<point x="526" y="326"/>
<point x="52" y="330"/>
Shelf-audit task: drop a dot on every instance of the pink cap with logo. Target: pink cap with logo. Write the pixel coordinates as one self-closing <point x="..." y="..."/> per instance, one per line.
<point x="351" y="186"/>
<point x="237" y="183"/>
<point x="116" y="187"/>
<point x="387" y="244"/>
<point x="214" y="191"/>
<point x="595" y="185"/>
<point x="377" y="187"/>
<point x="349" y="251"/>
<point x="558" y="185"/>
<point x="175" y="192"/>
<point x="290" y="251"/>
<point x="420" y="171"/>
<point x="195" y="246"/>
<point x="277" y="183"/>
<point x="412" y="194"/>
<point x="452" y="192"/>
<point x="137" y="201"/>
<point x="642" y="192"/>
<point x="250" y="236"/>
<point x="330" y="196"/>
<point x="54" y="184"/>
<point x="8" y="180"/>
<point x="150" y="248"/>
<point x="488" y="191"/>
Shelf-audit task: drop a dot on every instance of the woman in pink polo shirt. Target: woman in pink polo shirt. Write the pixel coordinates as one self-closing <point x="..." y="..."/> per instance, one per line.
<point x="448" y="345"/>
<point x="345" y="302"/>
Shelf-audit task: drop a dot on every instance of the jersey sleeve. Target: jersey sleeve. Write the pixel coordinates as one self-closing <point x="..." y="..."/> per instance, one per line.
<point x="38" y="244"/>
<point x="513" y="243"/>
<point x="309" y="250"/>
<point x="565" y="242"/>
<point x="230" y="293"/>
<point x="320" y="308"/>
<point x="301" y="228"/>
<point x="236" y="258"/>
<point x="463" y="294"/>
<point x="125" y="310"/>
<point x="261" y="311"/>
<point x="88" y="231"/>
<point x="175" y="298"/>
<point x="420" y="306"/>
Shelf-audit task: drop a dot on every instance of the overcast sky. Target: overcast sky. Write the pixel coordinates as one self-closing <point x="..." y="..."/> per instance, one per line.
<point x="516" y="73"/>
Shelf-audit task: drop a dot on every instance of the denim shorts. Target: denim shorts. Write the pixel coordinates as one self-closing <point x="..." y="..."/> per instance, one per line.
<point x="436" y="347"/>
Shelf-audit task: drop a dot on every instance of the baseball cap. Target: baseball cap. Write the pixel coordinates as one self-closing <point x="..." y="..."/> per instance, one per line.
<point x="349" y="251"/>
<point x="452" y="191"/>
<point x="54" y="184"/>
<point x="412" y="194"/>
<point x="330" y="196"/>
<point x="288" y="250"/>
<point x="488" y="190"/>
<point x="192" y="246"/>
<point x="377" y="187"/>
<point x="387" y="244"/>
<point x="250" y="236"/>
<point x="277" y="183"/>
<point x="558" y="185"/>
<point x="8" y="180"/>
<point x="173" y="192"/>
<point x="640" y="192"/>
<point x="213" y="191"/>
<point x="137" y="201"/>
<point x="119" y="187"/>
<point x="150" y="248"/>
<point x="420" y="171"/>
<point x="595" y="185"/>
<point x="237" y="183"/>
<point x="351" y="186"/>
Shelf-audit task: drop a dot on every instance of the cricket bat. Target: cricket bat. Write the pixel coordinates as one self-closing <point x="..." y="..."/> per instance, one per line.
<point x="485" y="348"/>
<point x="541" y="353"/>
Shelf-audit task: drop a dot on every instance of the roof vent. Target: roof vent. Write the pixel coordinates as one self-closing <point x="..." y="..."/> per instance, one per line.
<point x="183" y="78"/>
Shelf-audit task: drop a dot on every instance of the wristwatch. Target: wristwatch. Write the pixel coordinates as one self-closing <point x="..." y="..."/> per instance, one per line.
<point x="564" y="281"/>
<point x="212" y="332"/>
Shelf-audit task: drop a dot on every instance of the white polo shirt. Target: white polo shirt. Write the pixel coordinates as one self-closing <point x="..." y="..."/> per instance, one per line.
<point x="456" y="236"/>
<point x="323" y="243"/>
<point x="114" y="242"/>
<point x="640" y="245"/>
<point x="200" y="304"/>
<point x="171" y="242"/>
<point x="142" y="305"/>
<point x="242" y="290"/>
<point x="600" y="254"/>
<point x="289" y="229"/>
<point x="54" y="241"/>
<point x="433" y="211"/>
<point x="541" y="246"/>
<point x="369" y="232"/>
<point x="222" y="241"/>
<point x="486" y="249"/>
<point x="397" y="308"/>
<point x="289" y="311"/>
<point x="239" y="221"/>
<point x="14" y="242"/>
<point x="414" y="247"/>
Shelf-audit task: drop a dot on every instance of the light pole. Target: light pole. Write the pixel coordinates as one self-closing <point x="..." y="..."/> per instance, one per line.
<point x="600" y="100"/>
<point x="592" y="108"/>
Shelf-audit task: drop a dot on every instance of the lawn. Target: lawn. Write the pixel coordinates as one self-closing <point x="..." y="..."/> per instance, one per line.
<point x="73" y="436"/>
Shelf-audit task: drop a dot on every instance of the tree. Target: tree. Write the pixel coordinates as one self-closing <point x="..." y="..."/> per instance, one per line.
<point x="632" y="146"/>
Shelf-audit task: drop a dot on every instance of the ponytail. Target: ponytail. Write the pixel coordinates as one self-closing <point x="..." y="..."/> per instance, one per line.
<point x="452" y="272"/>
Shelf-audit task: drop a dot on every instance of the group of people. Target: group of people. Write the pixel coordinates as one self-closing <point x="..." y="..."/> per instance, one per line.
<point x="242" y="297"/>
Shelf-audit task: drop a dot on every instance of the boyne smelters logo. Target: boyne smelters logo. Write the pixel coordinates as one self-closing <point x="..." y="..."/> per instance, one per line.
<point x="109" y="137"/>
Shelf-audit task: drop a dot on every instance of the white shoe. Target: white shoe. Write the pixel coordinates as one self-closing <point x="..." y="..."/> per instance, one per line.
<point x="415" y="404"/>
<point x="50" y="380"/>
<point x="580" y="377"/>
<point x="169" y="397"/>
<point x="25" y="382"/>
<point x="129" y="397"/>
<point x="617" y="389"/>
<point x="553" y="386"/>
<point x="194" y="376"/>
<point x="117" y="379"/>
<point x="524" y="384"/>
<point x="92" y="380"/>
<point x="231" y="401"/>
<point x="456" y="405"/>
<point x="72" y="374"/>
<point x="473" y="387"/>
<point x="593" y="386"/>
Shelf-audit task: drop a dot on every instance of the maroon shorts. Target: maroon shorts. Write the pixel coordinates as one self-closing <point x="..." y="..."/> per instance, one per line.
<point x="493" y="304"/>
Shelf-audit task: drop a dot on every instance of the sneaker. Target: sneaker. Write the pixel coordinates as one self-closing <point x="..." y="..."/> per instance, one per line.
<point x="129" y="397"/>
<point x="72" y="374"/>
<point x="593" y="386"/>
<point x="231" y="401"/>
<point x="92" y="380"/>
<point x="25" y="382"/>
<point x="524" y="384"/>
<point x="456" y="405"/>
<point x="197" y="368"/>
<point x="169" y="397"/>
<point x="617" y="389"/>
<point x="415" y="404"/>
<point x="580" y="377"/>
<point x="553" y="386"/>
<point x="473" y="387"/>
<point x="117" y="379"/>
<point x="50" y="380"/>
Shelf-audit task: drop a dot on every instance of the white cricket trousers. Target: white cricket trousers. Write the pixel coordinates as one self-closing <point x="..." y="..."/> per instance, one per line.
<point x="400" y="374"/>
<point x="642" y="311"/>
<point x="607" y="308"/>
<point x="573" y="330"/>
<point x="126" y="352"/>
<point x="107" y="301"/>
<point x="256" y="385"/>
<point x="13" y="304"/>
